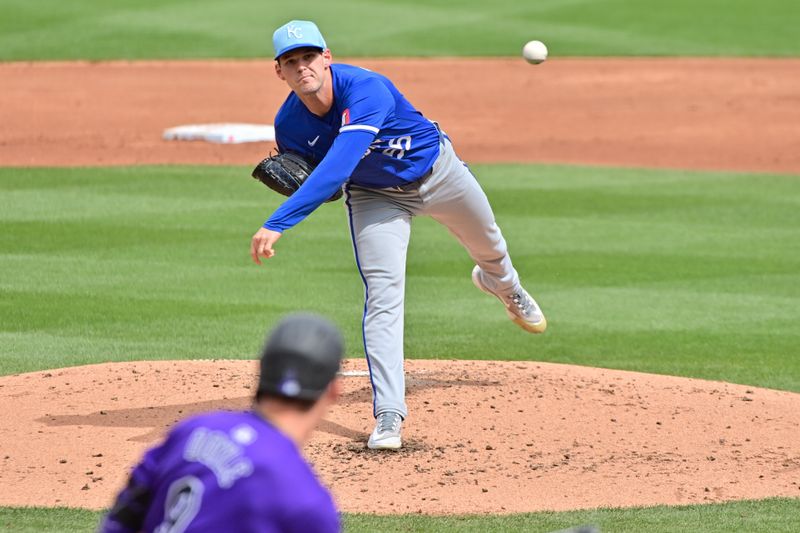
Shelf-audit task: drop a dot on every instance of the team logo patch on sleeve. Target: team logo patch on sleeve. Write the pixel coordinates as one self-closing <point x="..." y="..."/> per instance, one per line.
<point x="346" y="117"/>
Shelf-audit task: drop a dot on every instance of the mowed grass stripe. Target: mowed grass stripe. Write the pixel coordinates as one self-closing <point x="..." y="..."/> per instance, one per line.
<point x="176" y="29"/>
<point x="683" y="273"/>
<point x="776" y="515"/>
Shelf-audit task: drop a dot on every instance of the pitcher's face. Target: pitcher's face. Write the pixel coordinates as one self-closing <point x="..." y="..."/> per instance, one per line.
<point x="304" y="69"/>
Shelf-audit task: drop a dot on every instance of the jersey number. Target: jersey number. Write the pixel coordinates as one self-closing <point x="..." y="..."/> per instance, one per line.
<point x="398" y="147"/>
<point x="184" y="497"/>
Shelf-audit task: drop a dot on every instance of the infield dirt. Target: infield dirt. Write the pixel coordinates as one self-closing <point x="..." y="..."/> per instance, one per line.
<point x="717" y="114"/>
<point x="483" y="437"/>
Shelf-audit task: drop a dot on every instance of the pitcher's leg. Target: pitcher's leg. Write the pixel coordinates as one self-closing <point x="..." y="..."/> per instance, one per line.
<point x="380" y="232"/>
<point x="453" y="197"/>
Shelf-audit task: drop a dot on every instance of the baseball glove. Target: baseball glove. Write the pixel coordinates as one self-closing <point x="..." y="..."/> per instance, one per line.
<point x="285" y="172"/>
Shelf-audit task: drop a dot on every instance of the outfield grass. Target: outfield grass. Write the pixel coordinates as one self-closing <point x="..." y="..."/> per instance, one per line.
<point x="144" y="29"/>
<point x="682" y="273"/>
<point x="765" y="516"/>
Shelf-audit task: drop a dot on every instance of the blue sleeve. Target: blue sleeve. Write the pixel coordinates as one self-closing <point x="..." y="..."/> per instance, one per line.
<point x="335" y="168"/>
<point x="367" y="104"/>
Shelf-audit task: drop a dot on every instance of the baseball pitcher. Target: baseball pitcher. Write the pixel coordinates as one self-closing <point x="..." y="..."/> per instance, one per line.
<point x="361" y="136"/>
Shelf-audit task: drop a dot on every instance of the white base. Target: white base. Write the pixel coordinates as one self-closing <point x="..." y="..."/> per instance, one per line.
<point x="221" y="133"/>
<point x="354" y="373"/>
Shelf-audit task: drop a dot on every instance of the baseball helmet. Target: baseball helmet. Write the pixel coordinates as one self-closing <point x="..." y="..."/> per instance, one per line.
<point x="300" y="358"/>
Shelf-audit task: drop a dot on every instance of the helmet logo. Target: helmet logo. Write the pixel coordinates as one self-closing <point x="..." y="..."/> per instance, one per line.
<point x="289" y="385"/>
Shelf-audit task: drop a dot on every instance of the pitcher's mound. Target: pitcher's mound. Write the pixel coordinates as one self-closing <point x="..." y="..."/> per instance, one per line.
<point x="481" y="437"/>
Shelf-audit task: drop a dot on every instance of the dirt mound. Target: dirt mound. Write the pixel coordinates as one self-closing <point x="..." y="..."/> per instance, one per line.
<point x="482" y="437"/>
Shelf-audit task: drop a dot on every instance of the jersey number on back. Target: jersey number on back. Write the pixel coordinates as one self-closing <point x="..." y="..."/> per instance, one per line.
<point x="398" y="147"/>
<point x="184" y="498"/>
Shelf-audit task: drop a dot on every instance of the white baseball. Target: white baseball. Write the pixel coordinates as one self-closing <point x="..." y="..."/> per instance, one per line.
<point x="534" y="52"/>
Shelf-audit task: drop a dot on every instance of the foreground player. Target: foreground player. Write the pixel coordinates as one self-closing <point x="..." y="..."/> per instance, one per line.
<point x="243" y="472"/>
<point x="393" y="164"/>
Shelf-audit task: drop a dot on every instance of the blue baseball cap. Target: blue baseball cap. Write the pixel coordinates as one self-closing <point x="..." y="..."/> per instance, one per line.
<point x="297" y="34"/>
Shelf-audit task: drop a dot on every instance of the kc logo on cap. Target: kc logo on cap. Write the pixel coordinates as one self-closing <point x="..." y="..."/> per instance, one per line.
<point x="294" y="31"/>
<point x="297" y="34"/>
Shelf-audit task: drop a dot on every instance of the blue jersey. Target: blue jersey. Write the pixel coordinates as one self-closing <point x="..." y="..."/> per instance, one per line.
<point x="224" y="471"/>
<point x="372" y="136"/>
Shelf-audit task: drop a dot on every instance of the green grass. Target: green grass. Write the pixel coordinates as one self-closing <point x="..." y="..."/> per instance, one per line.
<point x="681" y="273"/>
<point x="141" y="29"/>
<point x="765" y="516"/>
<point x="47" y="520"/>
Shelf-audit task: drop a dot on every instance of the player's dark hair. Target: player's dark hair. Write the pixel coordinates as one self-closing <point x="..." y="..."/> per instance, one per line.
<point x="303" y="49"/>
<point x="296" y="403"/>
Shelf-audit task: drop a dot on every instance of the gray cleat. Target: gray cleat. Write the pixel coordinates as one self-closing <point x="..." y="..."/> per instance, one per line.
<point x="520" y="306"/>
<point x="386" y="435"/>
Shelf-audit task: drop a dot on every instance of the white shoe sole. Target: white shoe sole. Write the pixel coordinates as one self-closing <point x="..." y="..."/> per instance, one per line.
<point x="387" y="443"/>
<point x="538" y="327"/>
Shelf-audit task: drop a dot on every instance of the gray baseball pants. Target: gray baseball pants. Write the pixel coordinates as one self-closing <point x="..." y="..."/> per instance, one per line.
<point x="380" y="226"/>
